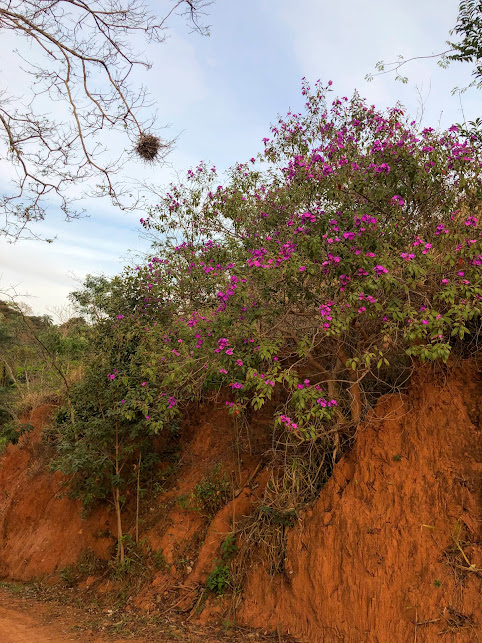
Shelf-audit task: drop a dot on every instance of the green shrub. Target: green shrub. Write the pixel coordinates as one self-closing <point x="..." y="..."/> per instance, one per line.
<point x="219" y="580"/>
<point x="212" y="492"/>
<point x="10" y="433"/>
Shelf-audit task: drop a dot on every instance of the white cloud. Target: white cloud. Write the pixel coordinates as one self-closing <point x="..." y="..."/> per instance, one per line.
<point x="46" y="271"/>
<point x="222" y="92"/>
<point x="343" y="41"/>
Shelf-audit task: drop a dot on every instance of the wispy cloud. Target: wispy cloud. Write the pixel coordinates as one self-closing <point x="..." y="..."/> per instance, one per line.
<point x="221" y="93"/>
<point x="343" y="41"/>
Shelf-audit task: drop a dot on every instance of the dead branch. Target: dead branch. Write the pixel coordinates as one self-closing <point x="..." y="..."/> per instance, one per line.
<point x="81" y="56"/>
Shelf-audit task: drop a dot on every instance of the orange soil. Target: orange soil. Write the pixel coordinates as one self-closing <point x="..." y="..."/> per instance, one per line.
<point x="23" y="621"/>
<point x="27" y="620"/>
<point x="39" y="531"/>
<point x="369" y="562"/>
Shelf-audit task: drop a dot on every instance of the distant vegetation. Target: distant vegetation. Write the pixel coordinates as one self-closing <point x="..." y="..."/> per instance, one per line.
<point x="38" y="362"/>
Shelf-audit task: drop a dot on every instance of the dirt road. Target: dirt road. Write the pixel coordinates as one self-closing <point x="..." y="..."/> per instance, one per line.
<point x="19" y="627"/>
<point x="26" y="619"/>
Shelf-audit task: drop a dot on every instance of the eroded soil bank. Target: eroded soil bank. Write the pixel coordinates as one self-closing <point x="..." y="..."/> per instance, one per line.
<point x="385" y="553"/>
<point x="391" y="551"/>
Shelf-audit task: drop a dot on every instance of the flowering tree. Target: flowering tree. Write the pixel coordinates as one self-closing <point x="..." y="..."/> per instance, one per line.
<point x="359" y="243"/>
<point x="312" y="281"/>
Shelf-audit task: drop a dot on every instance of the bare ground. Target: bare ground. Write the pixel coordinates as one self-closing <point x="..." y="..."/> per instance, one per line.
<point x="26" y="619"/>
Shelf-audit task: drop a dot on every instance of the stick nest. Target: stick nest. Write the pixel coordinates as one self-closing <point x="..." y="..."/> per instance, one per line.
<point x="148" y="147"/>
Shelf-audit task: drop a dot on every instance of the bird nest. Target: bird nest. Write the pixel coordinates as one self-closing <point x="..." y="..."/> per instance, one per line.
<point x="148" y="147"/>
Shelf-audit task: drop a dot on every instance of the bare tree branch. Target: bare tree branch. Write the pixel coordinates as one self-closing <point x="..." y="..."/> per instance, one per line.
<point x="81" y="56"/>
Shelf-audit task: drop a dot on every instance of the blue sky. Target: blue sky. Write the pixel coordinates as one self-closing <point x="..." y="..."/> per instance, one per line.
<point x="220" y="95"/>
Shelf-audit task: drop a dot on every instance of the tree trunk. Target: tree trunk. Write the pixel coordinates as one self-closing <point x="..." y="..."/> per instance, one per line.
<point x="120" y="533"/>
<point x="116" y="493"/>
<point x="137" y="496"/>
<point x="353" y="388"/>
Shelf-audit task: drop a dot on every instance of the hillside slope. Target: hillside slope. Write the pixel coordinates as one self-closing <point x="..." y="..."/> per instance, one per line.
<point x="391" y="551"/>
<point x="389" y="541"/>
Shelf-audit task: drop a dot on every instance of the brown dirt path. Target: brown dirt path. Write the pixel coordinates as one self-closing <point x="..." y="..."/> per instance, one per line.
<point x="27" y="619"/>
<point x="19" y="627"/>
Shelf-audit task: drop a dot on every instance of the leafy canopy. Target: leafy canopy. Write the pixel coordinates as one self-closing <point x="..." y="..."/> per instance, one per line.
<point x="308" y="284"/>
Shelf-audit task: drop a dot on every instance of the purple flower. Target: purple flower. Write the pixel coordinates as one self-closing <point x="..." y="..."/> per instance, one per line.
<point x="380" y="270"/>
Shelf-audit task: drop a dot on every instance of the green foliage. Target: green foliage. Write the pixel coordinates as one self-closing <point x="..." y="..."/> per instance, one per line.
<point x="277" y="517"/>
<point x="68" y="575"/>
<point x="212" y="492"/>
<point x="469" y="28"/>
<point x="298" y="292"/>
<point x="139" y="559"/>
<point x="229" y="547"/>
<point x="209" y="495"/>
<point x="468" y="49"/>
<point x="38" y="359"/>
<point x="160" y="561"/>
<point x="101" y="297"/>
<point x="87" y="565"/>
<point x="183" y="501"/>
<point x="101" y="434"/>
<point x="377" y="263"/>
<point x="10" y="433"/>
<point x="219" y="580"/>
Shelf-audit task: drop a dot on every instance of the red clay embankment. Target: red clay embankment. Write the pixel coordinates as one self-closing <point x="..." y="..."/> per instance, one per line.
<point x="40" y="531"/>
<point x="384" y="555"/>
<point x="390" y="552"/>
